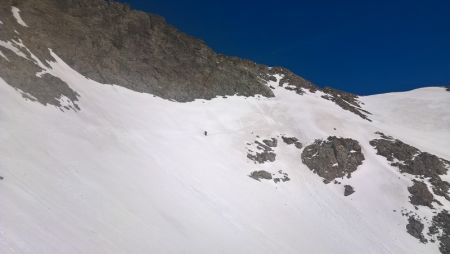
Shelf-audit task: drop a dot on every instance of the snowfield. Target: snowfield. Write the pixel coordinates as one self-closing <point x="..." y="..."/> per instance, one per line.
<point x="133" y="173"/>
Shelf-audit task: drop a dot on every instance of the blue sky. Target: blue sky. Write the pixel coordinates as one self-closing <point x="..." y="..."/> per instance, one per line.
<point x="364" y="47"/>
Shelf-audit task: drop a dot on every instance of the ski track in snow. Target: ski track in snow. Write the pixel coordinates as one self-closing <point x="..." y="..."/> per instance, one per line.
<point x="133" y="173"/>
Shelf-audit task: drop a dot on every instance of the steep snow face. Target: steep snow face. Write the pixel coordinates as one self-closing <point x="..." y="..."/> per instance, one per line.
<point x="420" y="116"/>
<point x="132" y="173"/>
<point x="127" y="172"/>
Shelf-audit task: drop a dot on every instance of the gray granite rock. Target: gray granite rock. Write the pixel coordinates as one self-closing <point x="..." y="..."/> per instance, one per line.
<point x="333" y="158"/>
<point x="137" y="50"/>
<point x="346" y="101"/>
<point x="273" y="142"/>
<point x="412" y="161"/>
<point x="262" y="174"/>
<point x="265" y="152"/>
<point x="415" y="228"/>
<point x="420" y="195"/>
<point x="262" y="157"/>
<point x="348" y="190"/>
<point x="292" y="141"/>
<point x="441" y="227"/>
<point x="110" y="43"/>
<point x="283" y="177"/>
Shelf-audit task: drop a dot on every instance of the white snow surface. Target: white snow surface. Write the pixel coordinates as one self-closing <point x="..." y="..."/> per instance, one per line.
<point x="16" y="13"/>
<point x="133" y="173"/>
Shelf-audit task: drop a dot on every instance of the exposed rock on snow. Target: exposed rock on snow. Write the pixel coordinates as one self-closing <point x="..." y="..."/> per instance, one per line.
<point x="292" y="140"/>
<point x="261" y="174"/>
<point x="441" y="228"/>
<point x="394" y="149"/>
<point x="346" y="101"/>
<point x="265" y="152"/>
<point x="262" y="157"/>
<point x="440" y="187"/>
<point x="348" y="190"/>
<point x="333" y="158"/>
<point x="292" y="82"/>
<point x="415" y="228"/>
<point x="420" y="195"/>
<point x="273" y="142"/>
<point x="412" y="161"/>
<point x="278" y="177"/>
<point x="43" y="88"/>
<point x="283" y="177"/>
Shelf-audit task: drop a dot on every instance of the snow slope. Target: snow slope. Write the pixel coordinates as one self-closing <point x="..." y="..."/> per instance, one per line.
<point x="133" y="173"/>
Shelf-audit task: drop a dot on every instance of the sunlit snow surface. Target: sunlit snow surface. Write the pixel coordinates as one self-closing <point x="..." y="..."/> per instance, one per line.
<point x="133" y="173"/>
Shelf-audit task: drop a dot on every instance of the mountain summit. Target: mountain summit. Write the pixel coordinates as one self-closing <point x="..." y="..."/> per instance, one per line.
<point x="121" y="134"/>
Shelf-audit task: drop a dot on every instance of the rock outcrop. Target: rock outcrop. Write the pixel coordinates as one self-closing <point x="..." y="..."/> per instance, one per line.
<point x="415" y="228"/>
<point x="333" y="158"/>
<point x="346" y="101"/>
<point x="264" y="151"/>
<point x="420" y="195"/>
<point x="117" y="45"/>
<point x="426" y="167"/>
<point x="441" y="227"/>
<point x="292" y="141"/>
<point x="261" y="174"/>
<point x="412" y="161"/>
<point x="348" y="190"/>
<point x="129" y="48"/>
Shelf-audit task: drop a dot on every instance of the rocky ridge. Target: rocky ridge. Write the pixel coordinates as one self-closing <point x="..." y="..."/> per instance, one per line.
<point x="423" y="168"/>
<point x="129" y="48"/>
<point x="333" y="158"/>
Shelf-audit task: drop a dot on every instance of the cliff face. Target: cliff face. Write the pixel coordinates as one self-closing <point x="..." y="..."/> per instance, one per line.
<point x="108" y="42"/>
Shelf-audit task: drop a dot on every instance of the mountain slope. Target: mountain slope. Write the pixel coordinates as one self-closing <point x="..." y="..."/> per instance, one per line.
<point x="108" y="42"/>
<point x="111" y="169"/>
